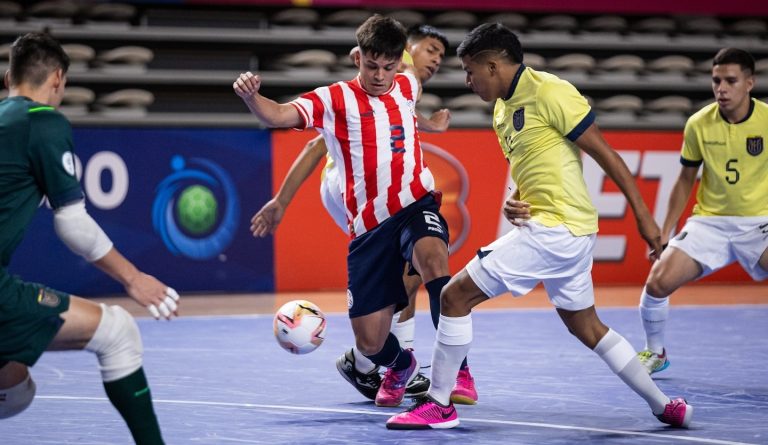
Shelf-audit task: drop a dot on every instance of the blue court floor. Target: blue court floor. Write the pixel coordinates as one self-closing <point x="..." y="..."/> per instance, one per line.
<point x="224" y="380"/>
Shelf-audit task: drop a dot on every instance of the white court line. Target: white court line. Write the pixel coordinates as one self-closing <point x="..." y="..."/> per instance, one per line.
<point x="377" y="413"/>
<point x="479" y="309"/>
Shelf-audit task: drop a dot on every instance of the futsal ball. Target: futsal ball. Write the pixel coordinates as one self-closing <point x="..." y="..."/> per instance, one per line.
<point x="196" y="209"/>
<point x="299" y="326"/>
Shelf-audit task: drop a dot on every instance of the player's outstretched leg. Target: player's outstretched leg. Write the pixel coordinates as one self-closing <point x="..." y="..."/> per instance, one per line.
<point x="622" y="359"/>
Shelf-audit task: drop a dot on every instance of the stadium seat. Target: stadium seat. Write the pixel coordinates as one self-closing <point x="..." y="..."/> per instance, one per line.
<point x="755" y="27"/>
<point x="761" y="67"/>
<point x="55" y="11"/>
<point x="606" y="23"/>
<point x="701" y="25"/>
<point x="620" y="102"/>
<point x="572" y="62"/>
<point x="314" y="60"/>
<point x="429" y="103"/>
<point x="80" y="56"/>
<point x="9" y="11"/>
<point x="125" y="103"/>
<point x="76" y="101"/>
<point x="111" y="13"/>
<point x="125" y="58"/>
<point x="671" y="64"/>
<point x="622" y="63"/>
<point x="295" y="18"/>
<point x="407" y="17"/>
<point x="556" y="22"/>
<point x="454" y="19"/>
<point x="535" y="61"/>
<point x="670" y="104"/>
<point x="657" y="25"/>
<point x="468" y="102"/>
<point x="511" y="20"/>
<point x="346" y="18"/>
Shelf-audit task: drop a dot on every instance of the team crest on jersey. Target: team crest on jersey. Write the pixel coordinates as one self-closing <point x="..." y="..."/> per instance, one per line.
<point x="350" y="300"/>
<point x="755" y="145"/>
<point x="46" y="298"/>
<point x="518" y="118"/>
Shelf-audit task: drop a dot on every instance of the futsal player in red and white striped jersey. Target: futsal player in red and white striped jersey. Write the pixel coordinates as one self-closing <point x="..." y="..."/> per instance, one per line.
<point x="369" y="125"/>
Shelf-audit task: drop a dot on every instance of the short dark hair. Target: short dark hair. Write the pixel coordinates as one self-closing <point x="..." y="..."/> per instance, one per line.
<point x="34" y="56"/>
<point x="417" y="33"/>
<point x="735" y="56"/>
<point x="381" y="36"/>
<point x="492" y="37"/>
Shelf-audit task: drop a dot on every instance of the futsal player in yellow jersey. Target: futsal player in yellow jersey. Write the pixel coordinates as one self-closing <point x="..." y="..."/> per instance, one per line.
<point x="730" y="218"/>
<point x="542" y="123"/>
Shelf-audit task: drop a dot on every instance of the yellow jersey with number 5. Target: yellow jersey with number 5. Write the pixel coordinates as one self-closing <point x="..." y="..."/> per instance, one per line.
<point x="734" y="179"/>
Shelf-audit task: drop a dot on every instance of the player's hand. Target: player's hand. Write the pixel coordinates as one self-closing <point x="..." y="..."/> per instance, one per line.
<point x="440" y="120"/>
<point x="651" y="233"/>
<point x="151" y="293"/>
<point x="266" y="220"/>
<point x="516" y="212"/>
<point x="247" y="85"/>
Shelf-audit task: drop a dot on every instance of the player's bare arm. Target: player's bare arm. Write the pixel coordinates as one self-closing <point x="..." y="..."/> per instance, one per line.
<point x="271" y="113"/>
<point x="592" y="142"/>
<point x="681" y="192"/>
<point x="147" y="290"/>
<point x="438" y="122"/>
<point x="266" y="220"/>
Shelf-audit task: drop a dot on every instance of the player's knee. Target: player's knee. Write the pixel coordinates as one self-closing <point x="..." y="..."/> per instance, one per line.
<point x="658" y="285"/>
<point x="369" y="344"/>
<point x="117" y="344"/>
<point x="17" y="398"/>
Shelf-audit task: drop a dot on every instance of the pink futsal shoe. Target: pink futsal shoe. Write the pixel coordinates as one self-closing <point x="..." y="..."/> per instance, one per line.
<point x="677" y="413"/>
<point x="392" y="389"/>
<point x="425" y="413"/>
<point x="464" y="392"/>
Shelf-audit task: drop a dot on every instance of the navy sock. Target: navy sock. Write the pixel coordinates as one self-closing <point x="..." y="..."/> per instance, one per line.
<point x="434" y="288"/>
<point x="391" y="355"/>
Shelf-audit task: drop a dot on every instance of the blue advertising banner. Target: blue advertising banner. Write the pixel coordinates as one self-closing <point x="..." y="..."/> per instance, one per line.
<point x="176" y="202"/>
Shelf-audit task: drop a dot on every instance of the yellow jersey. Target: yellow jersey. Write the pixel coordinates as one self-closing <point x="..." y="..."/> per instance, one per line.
<point x="734" y="179"/>
<point x="537" y="125"/>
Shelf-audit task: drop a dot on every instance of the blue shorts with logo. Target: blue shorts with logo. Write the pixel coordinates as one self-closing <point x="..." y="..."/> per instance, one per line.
<point x="376" y="259"/>
<point x="29" y="318"/>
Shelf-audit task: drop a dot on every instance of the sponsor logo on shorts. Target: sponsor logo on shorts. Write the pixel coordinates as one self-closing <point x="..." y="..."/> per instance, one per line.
<point x="681" y="236"/>
<point x="49" y="299"/>
<point x="350" y="299"/>
<point x="755" y="145"/>
<point x="433" y="222"/>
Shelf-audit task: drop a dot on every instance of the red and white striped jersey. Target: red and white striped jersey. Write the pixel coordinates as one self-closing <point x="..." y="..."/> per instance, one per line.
<point x="374" y="142"/>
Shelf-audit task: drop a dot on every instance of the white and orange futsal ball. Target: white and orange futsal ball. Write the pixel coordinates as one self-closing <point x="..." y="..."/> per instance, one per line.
<point x="299" y="326"/>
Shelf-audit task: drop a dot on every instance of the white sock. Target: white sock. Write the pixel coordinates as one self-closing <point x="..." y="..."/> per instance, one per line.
<point x="454" y="338"/>
<point x="621" y="358"/>
<point x="654" y="313"/>
<point x="404" y="331"/>
<point x="363" y="363"/>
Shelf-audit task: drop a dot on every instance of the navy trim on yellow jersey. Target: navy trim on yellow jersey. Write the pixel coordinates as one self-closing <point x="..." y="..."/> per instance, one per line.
<point x="515" y="81"/>
<point x="579" y="129"/>
<point x="749" y="113"/>
<point x="689" y="163"/>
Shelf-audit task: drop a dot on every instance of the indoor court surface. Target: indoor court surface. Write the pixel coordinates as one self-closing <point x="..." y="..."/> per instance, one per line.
<point x="222" y="379"/>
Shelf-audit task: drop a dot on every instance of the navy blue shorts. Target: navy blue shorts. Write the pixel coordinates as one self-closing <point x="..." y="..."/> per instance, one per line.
<point x="376" y="259"/>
